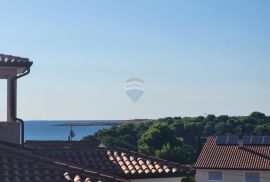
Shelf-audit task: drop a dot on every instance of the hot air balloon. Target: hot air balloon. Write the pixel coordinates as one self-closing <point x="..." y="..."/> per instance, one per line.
<point x="134" y="88"/>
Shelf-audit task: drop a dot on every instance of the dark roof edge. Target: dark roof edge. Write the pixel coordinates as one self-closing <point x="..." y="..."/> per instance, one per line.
<point x="237" y="169"/>
<point x="14" y="61"/>
<point x="168" y="175"/>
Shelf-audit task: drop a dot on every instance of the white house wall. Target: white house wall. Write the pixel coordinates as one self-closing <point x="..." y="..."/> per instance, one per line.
<point x="230" y="175"/>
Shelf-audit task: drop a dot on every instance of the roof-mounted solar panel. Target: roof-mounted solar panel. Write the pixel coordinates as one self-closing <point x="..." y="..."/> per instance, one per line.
<point x="232" y="140"/>
<point x="266" y="140"/>
<point x="247" y="140"/>
<point x="257" y="140"/>
<point x="221" y="140"/>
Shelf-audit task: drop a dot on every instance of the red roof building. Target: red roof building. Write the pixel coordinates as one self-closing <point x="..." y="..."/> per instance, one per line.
<point x="119" y="162"/>
<point x="233" y="159"/>
<point x="22" y="165"/>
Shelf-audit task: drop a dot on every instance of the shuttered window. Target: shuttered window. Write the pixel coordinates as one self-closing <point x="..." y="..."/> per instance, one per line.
<point x="252" y="177"/>
<point x="215" y="176"/>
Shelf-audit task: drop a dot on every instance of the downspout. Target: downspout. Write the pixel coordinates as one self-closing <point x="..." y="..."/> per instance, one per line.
<point x="26" y="72"/>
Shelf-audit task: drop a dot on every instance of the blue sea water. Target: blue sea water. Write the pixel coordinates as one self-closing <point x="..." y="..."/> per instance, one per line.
<point x="45" y="130"/>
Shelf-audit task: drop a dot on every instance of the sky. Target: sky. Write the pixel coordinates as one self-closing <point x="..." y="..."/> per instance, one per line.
<point x="195" y="57"/>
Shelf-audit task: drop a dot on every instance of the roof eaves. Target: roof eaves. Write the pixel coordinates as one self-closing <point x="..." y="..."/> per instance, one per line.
<point x="14" y="61"/>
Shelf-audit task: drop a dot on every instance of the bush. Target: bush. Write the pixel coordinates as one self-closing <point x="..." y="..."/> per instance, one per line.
<point x="188" y="179"/>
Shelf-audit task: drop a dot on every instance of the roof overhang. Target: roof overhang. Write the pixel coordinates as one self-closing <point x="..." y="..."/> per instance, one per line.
<point x="13" y="65"/>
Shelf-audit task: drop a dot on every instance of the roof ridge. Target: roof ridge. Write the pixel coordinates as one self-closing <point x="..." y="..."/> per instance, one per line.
<point x="80" y="141"/>
<point x="255" y="152"/>
<point x="11" y="56"/>
<point x="59" y="144"/>
<point x="150" y="157"/>
<point x="67" y="149"/>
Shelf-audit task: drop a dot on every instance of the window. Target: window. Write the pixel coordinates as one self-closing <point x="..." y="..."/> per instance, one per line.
<point x="215" y="176"/>
<point x="252" y="177"/>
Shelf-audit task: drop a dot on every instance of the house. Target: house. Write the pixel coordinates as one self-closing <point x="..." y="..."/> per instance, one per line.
<point x="21" y="165"/>
<point x="68" y="161"/>
<point x="234" y="159"/>
<point x="126" y="164"/>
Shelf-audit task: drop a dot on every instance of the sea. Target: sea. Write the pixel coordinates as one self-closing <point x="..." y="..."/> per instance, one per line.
<point x="47" y="130"/>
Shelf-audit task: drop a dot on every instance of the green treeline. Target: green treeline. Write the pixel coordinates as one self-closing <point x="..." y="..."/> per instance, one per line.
<point x="180" y="139"/>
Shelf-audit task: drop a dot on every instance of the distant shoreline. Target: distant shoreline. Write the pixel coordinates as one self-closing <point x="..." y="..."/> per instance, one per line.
<point x="103" y="123"/>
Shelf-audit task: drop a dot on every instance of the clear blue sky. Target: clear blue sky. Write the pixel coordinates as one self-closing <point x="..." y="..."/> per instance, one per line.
<point x="195" y="57"/>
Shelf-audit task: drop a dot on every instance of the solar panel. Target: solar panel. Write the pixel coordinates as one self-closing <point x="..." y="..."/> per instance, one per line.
<point x="266" y="140"/>
<point x="256" y="140"/>
<point x="247" y="140"/>
<point x="221" y="140"/>
<point x="232" y="140"/>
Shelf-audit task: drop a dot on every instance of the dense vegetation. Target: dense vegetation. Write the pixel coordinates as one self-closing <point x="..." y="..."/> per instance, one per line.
<point x="179" y="139"/>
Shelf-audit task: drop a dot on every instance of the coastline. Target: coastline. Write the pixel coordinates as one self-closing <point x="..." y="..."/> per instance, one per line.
<point x="103" y="123"/>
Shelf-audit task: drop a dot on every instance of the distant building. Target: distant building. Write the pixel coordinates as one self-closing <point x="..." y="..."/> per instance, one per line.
<point x="232" y="159"/>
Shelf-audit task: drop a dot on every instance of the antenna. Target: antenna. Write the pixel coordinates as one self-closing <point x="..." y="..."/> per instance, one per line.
<point x="71" y="134"/>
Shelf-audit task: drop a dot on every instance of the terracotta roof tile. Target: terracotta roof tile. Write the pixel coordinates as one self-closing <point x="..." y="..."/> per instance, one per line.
<point x="119" y="162"/>
<point x="248" y="157"/>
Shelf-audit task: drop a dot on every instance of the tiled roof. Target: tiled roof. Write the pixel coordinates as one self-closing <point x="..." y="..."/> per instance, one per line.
<point x="247" y="157"/>
<point x="120" y="162"/>
<point x="77" y="178"/>
<point x="8" y="60"/>
<point x="18" y="165"/>
<point x="132" y="163"/>
<point x="60" y="144"/>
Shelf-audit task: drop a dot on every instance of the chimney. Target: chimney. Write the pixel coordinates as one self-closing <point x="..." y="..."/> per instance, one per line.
<point x="241" y="136"/>
<point x="241" y="141"/>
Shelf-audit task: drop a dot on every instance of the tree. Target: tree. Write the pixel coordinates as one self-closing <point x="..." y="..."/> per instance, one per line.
<point x="210" y="117"/>
<point x="155" y="137"/>
<point x="249" y="129"/>
<point x="192" y="130"/>
<point x="262" y="129"/>
<point x="223" y="128"/>
<point x="222" y="118"/>
<point x="176" y="139"/>
<point x="182" y="155"/>
<point x="257" y="116"/>
<point x="178" y="128"/>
